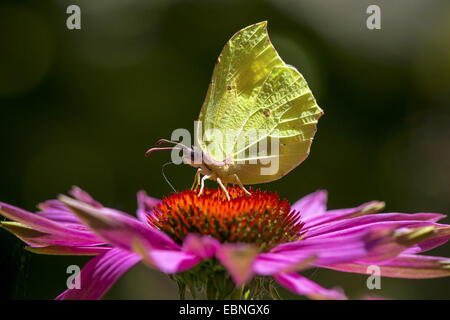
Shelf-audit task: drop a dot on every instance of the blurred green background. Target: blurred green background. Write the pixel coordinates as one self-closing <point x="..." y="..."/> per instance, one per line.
<point x="81" y="107"/>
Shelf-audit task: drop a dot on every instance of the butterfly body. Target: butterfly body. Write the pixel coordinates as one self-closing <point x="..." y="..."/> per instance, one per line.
<point x="223" y="172"/>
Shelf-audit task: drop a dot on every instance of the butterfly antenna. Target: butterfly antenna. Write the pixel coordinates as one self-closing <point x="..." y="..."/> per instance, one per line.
<point x="177" y="146"/>
<point x="160" y="141"/>
<point x="159" y="149"/>
<point x="164" y="175"/>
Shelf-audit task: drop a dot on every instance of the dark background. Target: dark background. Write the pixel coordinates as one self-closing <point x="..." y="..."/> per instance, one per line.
<point x="81" y="107"/>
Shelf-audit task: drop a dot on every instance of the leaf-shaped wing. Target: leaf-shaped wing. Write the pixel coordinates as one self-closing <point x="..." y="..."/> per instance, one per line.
<point x="253" y="89"/>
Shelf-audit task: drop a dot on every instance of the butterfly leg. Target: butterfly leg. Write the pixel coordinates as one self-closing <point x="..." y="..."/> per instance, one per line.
<point x="196" y="179"/>
<point x="241" y="185"/>
<point x="223" y="187"/>
<point x="202" y="184"/>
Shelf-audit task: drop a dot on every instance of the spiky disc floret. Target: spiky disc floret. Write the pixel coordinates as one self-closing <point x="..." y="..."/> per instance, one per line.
<point x="261" y="218"/>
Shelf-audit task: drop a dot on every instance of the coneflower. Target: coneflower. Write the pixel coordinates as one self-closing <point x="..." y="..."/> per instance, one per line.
<point x="235" y="249"/>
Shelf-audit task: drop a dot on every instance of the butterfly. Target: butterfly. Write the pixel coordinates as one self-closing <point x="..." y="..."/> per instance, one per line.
<point x="258" y="110"/>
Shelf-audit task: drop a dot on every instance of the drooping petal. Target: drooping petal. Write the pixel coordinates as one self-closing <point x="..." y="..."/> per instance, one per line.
<point x="303" y="286"/>
<point x="385" y="243"/>
<point x="204" y="247"/>
<point x="440" y="237"/>
<point x="65" y="217"/>
<point x="346" y="226"/>
<point x="83" y="196"/>
<point x="312" y="205"/>
<point x="37" y="238"/>
<point x="409" y="266"/>
<point x="57" y="211"/>
<point x="238" y="259"/>
<point x="172" y="261"/>
<point x="100" y="273"/>
<point x="45" y="225"/>
<point x="272" y="263"/>
<point x="375" y="244"/>
<point x="117" y="228"/>
<point x="167" y="261"/>
<point x="332" y="250"/>
<point x="53" y="205"/>
<point x="332" y="216"/>
<point x="146" y="205"/>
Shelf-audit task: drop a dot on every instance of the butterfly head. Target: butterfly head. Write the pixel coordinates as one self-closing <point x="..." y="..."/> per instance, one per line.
<point x="193" y="156"/>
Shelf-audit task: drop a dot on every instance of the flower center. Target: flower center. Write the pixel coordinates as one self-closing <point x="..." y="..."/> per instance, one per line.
<point x="260" y="218"/>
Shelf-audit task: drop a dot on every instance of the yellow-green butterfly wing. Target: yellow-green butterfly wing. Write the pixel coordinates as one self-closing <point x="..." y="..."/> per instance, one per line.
<point x="253" y="89"/>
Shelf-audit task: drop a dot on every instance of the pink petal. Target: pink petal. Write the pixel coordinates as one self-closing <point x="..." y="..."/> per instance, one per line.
<point x="303" y="286"/>
<point x="83" y="196"/>
<point x="172" y="261"/>
<point x="272" y="263"/>
<point x="238" y="260"/>
<point x="441" y="236"/>
<point x="312" y="205"/>
<point x="386" y="242"/>
<point x="37" y="238"/>
<point x="375" y="242"/>
<point x="53" y="205"/>
<point x="146" y="205"/>
<point x="403" y="266"/>
<point x="167" y="261"/>
<point x="117" y="228"/>
<point x="365" y="222"/>
<point x="332" y="250"/>
<point x="45" y="225"/>
<point x="57" y="211"/>
<point x="204" y="247"/>
<point x="60" y="216"/>
<point x="100" y="273"/>
<point x="336" y="215"/>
